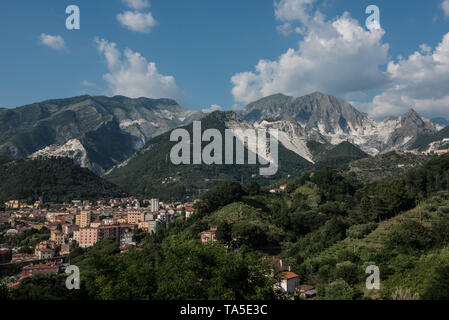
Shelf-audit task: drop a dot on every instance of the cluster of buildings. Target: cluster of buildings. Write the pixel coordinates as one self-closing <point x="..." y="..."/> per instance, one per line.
<point x="80" y="223"/>
<point x="437" y="148"/>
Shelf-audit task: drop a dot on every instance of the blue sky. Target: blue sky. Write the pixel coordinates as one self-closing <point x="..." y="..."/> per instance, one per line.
<point x="198" y="46"/>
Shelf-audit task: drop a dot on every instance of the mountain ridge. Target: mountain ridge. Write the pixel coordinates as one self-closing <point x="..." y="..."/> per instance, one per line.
<point x="92" y="120"/>
<point x="101" y="132"/>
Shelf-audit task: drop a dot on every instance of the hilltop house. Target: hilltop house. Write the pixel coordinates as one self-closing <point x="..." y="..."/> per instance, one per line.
<point x="208" y="235"/>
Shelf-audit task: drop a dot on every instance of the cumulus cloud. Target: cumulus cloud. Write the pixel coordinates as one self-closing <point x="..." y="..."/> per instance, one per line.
<point x="338" y="56"/>
<point x="133" y="76"/>
<point x="54" y="42"/>
<point x="445" y="7"/>
<point x="293" y="10"/>
<point x="341" y="57"/>
<point x="213" y="107"/>
<point x="137" y="4"/>
<point x="420" y="81"/>
<point x="137" y="21"/>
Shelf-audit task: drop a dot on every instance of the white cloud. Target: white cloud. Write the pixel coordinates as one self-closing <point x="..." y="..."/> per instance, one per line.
<point x="133" y="76"/>
<point x="213" y="107"/>
<point x="342" y="57"/>
<point x="420" y="81"/>
<point x="54" y="42"/>
<point x="445" y="7"/>
<point x="337" y="57"/>
<point x="87" y="83"/>
<point x="293" y="10"/>
<point x="137" y="4"/>
<point x="137" y="21"/>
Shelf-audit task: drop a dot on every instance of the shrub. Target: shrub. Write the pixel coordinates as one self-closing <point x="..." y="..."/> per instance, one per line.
<point x="347" y="271"/>
<point x="408" y="237"/>
<point x="338" y="290"/>
<point x="359" y="231"/>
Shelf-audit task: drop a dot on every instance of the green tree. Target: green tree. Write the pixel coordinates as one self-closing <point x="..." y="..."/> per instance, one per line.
<point x="338" y="290"/>
<point x="224" y="232"/>
<point x="253" y="188"/>
<point x="347" y="271"/>
<point x="437" y="287"/>
<point x="408" y="237"/>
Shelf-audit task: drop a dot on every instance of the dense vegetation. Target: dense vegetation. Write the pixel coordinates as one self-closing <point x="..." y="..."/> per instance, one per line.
<point x="383" y="166"/>
<point x="55" y="180"/>
<point x="151" y="173"/>
<point x="329" y="157"/>
<point x="327" y="227"/>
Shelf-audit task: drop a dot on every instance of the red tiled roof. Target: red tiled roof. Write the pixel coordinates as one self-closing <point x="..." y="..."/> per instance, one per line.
<point x="288" y="275"/>
<point x="305" y="288"/>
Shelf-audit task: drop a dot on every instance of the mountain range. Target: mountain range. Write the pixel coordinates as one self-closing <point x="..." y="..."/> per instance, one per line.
<point x="97" y="132"/>
<point x="326" y="119"/>
<point x="111" y="135"/>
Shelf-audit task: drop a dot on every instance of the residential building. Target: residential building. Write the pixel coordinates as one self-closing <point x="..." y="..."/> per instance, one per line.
<point x="189" y="211"/>
<point x="41" y="268"/>
<point x="126" y="237"/>
<point x="90" y="236"/>
<point x="135" y="217"/>
<point x="12" y="204"/>
<point x="154" y="205"/>
<point x="289" y="282"/>
<point x="208" y="235"/>
<point x="57" y="236"/>
<point x="22" y="257"/>
<point x="84" y="218"/>
<point x="65" y="248"/>
<point x="76" y="235"/>
<point x="44" y="253"/>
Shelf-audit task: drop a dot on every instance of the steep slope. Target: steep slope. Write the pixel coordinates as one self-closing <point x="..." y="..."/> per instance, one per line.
<point x="151" y="173"/>
<point x="424" y="141"/>
<point x="326" y="119"/>
<point x="330" y="157"/>
<point x="54" y="179"/>
<point x="108" y="129"/>
<point x="411" y="126"/>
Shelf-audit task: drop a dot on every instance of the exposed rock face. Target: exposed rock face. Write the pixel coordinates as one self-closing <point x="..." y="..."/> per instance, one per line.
<point x="74" y="150"/>
<point x="327" y="119"/>
<point x="100" y="132"/>
<point x="108" y="130"/>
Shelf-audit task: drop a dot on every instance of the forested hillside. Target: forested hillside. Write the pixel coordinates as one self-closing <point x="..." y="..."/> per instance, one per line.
<point x="150" y="172"/>
<point x="326" y="227"/>
<point x="53" y="179"/>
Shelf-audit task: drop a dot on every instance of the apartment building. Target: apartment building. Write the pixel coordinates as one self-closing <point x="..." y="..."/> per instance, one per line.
<point x="90" y="236"/>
